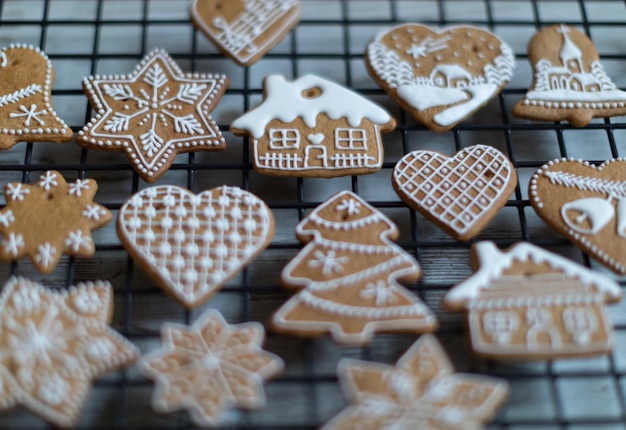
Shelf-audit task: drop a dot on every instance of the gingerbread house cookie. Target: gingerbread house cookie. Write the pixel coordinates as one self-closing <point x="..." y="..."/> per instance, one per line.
<point x="527" y="303"/>
<point x="312" y="127"/>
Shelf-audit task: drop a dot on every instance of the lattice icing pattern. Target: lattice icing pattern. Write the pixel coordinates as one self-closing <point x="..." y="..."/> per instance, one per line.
<point x="192" y="243"/>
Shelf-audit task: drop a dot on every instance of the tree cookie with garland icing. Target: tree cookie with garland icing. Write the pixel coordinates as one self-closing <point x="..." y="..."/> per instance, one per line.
<point x="26" y="112"/>
<point x="50" y="219"/>
<point x="526" y="303"/>
<point x="586" y="204"/>
<point x="313" y="127"/>
<point x="569" y="81"/>
<point x="439" y="77"/>
<point x="244" y="30"/>
<point x="460" y="194"/>
<point x="422" y="391"/>
<point x="153" y="114"/>
<point x="54" y="343"/>
<point x="209" y="367"/>
<point x="192" y="244"/>
<point x="348" y="275"/>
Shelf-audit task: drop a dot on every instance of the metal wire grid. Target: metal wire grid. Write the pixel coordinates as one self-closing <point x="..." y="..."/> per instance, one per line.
<point x="578" y="394"/>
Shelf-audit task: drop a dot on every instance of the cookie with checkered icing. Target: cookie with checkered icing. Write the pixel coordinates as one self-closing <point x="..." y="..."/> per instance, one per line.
<point x="26" y="112"/>
<point x="460" y="194"/>
<point x="50" y="219"/>
<point x="192" y="244"/>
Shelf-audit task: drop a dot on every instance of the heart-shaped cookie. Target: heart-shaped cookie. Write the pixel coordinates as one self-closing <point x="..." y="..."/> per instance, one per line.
<point x="26" y="112"/>
<point x="460" y="193"/>
<point x="440" y="78"/>
<point x="193" y="244"/>
<point x="245" y="30"/>
<point x="587" y="204"/>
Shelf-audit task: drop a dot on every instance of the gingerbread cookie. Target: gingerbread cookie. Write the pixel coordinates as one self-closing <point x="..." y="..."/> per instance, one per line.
<point x="50" y="219"/>
<point x="587" y="204"/>
<point x="460" y="193"/>
<point x="527" y="303"/>
<point x="209" y="367"/>
<point x="26" y="112"/>
<point x="53" y="343"/>
<point x="312" y="127"/>
<point x="245" y="30"/>
<point x="348" y="273"/>
<point x="193" y="244"/>
<point x="569" y="81"/>
<point x="421" y="391"/>
<point x="440" y="78"/>
<point x="153" y="114"/>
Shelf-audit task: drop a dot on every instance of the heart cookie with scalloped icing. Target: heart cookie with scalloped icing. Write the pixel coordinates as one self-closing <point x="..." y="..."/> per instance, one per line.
<point x="440" y="78"/>
<point x="587" y="204"/>
<point x="26" y="112"/>
<point x="193" y="244"/>
<point x="460" y="193"/>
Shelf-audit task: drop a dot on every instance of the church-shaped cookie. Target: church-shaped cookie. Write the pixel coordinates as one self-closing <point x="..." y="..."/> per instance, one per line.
<point x="569" y="82"/>
<point x="313" y="127"/>
<point x="527" y="303"/>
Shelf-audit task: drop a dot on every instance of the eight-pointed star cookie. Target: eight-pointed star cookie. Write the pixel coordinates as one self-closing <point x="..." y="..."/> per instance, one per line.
<point x="26" y="112"/>
<point x="53" y="343"/>
<point x="210" y="366"/>
<point x="420" y="392"/>
<point x="50" y="219"/>
<point x="153" y="114"/>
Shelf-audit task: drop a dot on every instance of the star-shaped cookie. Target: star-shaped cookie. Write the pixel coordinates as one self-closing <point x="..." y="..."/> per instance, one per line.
<point x="50" y="219"/>
<point x="53" y="343"/>
<point x="26" y="112"/>
<point x="153" y="114"/>
<point x="208" y="367"/>
<point x="420" y="392"/>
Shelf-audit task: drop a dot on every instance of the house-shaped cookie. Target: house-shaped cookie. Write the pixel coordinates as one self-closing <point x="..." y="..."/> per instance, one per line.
<point x="528" y="303"/>
<point x="312" y="127"/>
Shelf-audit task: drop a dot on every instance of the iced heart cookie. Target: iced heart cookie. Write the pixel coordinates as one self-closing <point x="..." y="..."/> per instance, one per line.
<point x="26" y="112"/>
<point x="587" y="204"/>
<point x="50" y="219"/>
<point x="313" y="127"/>
<point x="153" y="114"/>
<point x="440" y="78"/>
<point x="460" y="193"/>
<point x="193" y="244"/>
<point x="348" y="275"/>
<point x="245" y="30"/>
<point x="569" y="81"/>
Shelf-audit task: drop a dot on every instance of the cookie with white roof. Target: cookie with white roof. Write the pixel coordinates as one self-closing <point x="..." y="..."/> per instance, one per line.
<point x="312" y="127"/>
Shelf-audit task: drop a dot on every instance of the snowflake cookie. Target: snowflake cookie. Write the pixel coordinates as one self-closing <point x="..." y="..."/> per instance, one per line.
<point x="420" y="392"/>
<point x="245" y="30"/>
<point x="569" y="82"/>
<point x="26" y="112"/>
<point x="53" y="343"/>
<point x="153" y="114"/>
<point x="348" y="273"/>
<point x="209" y="367"/>
<point x="192" y="244"/>
<point x="50" y="219"/>
<point x="440" y="78"/>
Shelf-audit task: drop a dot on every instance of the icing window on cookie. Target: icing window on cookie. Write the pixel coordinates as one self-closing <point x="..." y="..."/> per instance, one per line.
<point x="350" y="138"/>
<point x="284" y="138"/>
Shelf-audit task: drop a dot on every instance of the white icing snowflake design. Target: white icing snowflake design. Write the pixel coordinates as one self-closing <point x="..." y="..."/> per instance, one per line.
<point x="154" y="113"/>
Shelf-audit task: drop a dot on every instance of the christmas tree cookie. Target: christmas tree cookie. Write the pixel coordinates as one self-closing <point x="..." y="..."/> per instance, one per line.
<point x="348" y="274"/>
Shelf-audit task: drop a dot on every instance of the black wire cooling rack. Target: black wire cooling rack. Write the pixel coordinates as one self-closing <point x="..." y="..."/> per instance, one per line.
<point x="84" y="37"/>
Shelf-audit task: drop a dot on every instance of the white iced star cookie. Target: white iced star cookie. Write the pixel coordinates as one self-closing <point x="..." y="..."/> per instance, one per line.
<point x="209" y="367"/>
<point x="193" y="244"/>
<point x="50" y="219"/>
<point x="153" y="114"/>
<point x="53" y="343"/>
<point x="26" y="112"/>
